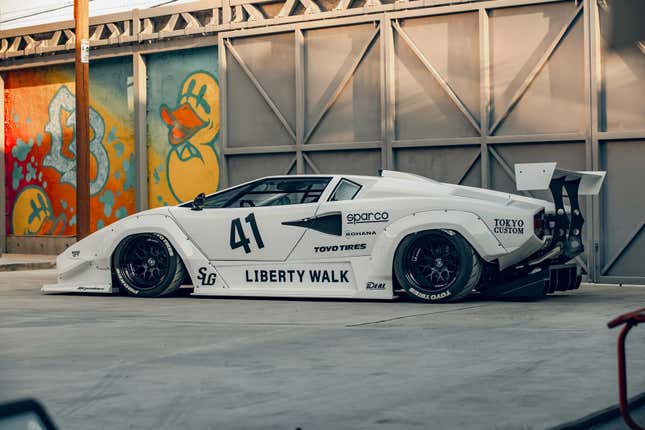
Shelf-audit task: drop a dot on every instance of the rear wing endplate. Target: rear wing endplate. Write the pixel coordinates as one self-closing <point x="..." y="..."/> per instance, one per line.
<point x="567" y="232"/>
<point x="538" y="176"/>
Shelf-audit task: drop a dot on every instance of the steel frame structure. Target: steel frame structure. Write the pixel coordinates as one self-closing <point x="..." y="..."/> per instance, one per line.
<point x="218" y="22"/>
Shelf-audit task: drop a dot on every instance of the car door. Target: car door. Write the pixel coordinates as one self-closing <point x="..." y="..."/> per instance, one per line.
<point x="241" y="231"/>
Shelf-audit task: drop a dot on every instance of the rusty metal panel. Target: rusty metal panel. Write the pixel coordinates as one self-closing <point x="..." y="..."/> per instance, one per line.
<point x="333" y="56"/>
<point x="550" y="87"/>
<point x="243" y="168"/>
<point x="426" y="72"/>
<point x="455" y="165"/>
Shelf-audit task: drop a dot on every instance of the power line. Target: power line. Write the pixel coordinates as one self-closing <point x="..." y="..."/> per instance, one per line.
<point x="66" y="6"/>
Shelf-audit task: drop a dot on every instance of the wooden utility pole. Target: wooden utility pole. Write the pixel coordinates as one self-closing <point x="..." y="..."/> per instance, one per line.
<point x="82" y="70"/>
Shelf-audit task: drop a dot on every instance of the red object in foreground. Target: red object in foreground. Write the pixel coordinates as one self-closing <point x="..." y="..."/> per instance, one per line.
<point x="629" y="320"/>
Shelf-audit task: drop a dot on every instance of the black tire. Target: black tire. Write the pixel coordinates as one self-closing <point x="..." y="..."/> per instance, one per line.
<point x="146" y="265"/>
<point x="436" y="266"/>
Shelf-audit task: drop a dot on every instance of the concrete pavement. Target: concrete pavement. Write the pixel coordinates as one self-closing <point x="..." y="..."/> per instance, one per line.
<point x="12" y="262"/>
<point x="109" y="362"/>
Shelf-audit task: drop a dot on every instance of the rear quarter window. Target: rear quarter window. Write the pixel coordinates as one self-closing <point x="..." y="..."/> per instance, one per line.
<point x="345" y="190"/>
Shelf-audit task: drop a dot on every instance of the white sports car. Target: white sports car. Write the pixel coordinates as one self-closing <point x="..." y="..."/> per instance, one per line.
<point x="344" y="236"/>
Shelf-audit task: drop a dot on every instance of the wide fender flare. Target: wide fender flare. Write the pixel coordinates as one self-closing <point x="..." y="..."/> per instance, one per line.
<point x="470" y="226"/>
<point x="99" y="247"/>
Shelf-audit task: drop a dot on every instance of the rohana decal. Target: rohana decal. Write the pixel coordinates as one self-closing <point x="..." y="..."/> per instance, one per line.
<point x="375" y="285"/>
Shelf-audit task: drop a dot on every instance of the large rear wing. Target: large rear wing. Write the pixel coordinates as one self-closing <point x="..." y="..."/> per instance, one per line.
<point x="538" y="176"/>
<point x="567" y="232"/>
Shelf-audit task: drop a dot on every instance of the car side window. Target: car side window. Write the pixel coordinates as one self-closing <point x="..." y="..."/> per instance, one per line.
<point x="345" y="190"/>
<point x="270" y="192"/>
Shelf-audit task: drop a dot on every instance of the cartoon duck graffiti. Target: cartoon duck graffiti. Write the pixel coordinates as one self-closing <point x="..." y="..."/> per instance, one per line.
<point x="193" y="125"/>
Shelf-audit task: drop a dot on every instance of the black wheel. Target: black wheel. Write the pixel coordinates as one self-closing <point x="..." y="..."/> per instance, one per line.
<point x="146" y="265"/>
<point x="436" y="266"/>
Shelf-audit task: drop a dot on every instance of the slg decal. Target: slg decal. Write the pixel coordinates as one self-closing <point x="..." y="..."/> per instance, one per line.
<point x="205" y="278"/>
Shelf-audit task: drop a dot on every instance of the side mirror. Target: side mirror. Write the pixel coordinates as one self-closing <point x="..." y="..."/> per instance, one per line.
<point x="198" y="202"/>
<point x="25" y="415"/>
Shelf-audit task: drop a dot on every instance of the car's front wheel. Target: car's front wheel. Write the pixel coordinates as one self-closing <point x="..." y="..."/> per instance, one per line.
<point x="146" y="265"/>
<point x="436" y="266"/>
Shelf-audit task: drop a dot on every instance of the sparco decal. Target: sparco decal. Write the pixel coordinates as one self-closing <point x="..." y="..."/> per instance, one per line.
<point x="335" y="248"/>
<point x="301" y="276"/>
<point x="360" y="233"/>
<point x="206" y="278"/>
<point x="367" y="217"/>
<point x="508" y="226"/>
<point x="375" y="285"/>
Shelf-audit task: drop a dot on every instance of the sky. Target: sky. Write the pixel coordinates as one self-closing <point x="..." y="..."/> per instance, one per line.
<point x="23" y="13"/>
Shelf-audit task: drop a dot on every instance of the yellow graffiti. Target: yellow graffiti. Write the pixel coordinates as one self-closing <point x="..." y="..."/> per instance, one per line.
<point x="32" y="212"/>
<point x="192" y="165"/>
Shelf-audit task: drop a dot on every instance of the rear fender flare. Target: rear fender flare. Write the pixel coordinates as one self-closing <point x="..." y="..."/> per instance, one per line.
<point x="467" y="224"/>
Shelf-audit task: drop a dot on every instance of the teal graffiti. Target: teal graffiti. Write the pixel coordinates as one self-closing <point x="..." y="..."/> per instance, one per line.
<point x="63" y="203"/>
<point x="122" y="212"/>
<point x="119" y="149"/>
<point x="39" y="139"/>
<point x="111" y="135"/>
<point x="16" y="175"/>
<point x="21" y="149"/>
<point x="55" y="158"/>
<point x="72" y="221"/>
<point x="117" y="174"/>
<point x="31" y="172"/>
<point x="108" y="202"/>
<point x="130" y="173"/>
<point x="38" y="208"/>
<point x="100" y="224"/>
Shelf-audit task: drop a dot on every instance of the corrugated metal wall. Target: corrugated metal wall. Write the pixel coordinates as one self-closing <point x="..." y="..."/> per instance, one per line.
<point x="458" y="93"/>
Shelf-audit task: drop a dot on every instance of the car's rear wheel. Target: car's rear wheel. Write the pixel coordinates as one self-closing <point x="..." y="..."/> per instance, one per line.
<point x="146" y="265"/>
<point x="436" y="266"/>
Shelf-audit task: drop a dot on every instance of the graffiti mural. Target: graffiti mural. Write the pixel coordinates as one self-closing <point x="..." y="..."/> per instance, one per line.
<point x="40" y="148"/>
<point x="183" y="126"/>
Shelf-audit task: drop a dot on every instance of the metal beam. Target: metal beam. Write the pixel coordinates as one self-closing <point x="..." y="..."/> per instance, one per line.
<point x="436" y="142"/>
<point x="291" y="164"/>
<point x="343" y="83"/>
<point x="533" y="74"/>
<point x="140" y="130"/>
<point x="622" y="249"/>
<point x="471" y="163"/>
<point x="484" y="95"/>
<point x="299" y="40"/>
<point x="222" y="74"/>
<point x="311" y="164"/>
<point x="390" y="94"/>
<point x="505" y="167"/>
<point x="442" y="82"/>
<point x="260" y="89"/>
<point x="252" y="150"/>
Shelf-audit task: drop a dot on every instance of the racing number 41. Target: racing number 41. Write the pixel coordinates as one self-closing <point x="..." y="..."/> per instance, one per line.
<point x="238" y="238"/>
